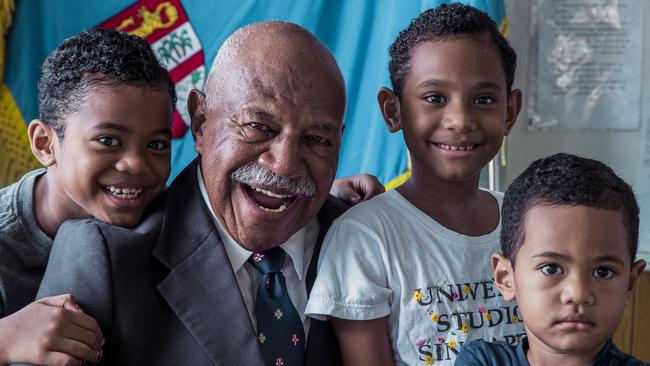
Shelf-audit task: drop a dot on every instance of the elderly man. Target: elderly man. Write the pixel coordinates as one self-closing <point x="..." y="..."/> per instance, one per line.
<point x="219" y="271"/>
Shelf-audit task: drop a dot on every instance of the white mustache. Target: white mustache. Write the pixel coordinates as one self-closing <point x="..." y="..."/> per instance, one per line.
<point x="255" y="174"/>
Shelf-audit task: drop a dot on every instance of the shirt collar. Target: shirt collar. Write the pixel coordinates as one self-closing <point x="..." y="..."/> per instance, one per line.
<point x="605" y="356"/>
<point x="294" y="247"/>
<point x="522" y="348"/>
<point x="238" y="255"/>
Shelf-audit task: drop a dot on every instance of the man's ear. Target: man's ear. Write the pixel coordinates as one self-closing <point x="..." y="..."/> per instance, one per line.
<point x="512" y="109"/>
<point x="42" y="139"/>
<point x="196" y="108"/>
<point x="635" y="274"/>
<point x="390" y="109"/>
<point x="503" y="276"/>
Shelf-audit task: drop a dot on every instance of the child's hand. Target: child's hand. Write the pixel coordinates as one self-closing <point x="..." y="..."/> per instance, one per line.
<point x="357" y="188"/>
<point x="50" y="331"/>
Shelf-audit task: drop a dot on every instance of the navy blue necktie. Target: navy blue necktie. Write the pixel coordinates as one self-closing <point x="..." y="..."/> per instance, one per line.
<point x="280" y="331"/>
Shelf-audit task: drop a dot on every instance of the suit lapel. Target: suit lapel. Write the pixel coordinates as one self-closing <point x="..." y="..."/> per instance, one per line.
<point x="201" y="288"/>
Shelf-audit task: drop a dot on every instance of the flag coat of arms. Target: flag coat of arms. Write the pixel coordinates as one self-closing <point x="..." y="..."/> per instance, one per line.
<point x="164" y="24"/>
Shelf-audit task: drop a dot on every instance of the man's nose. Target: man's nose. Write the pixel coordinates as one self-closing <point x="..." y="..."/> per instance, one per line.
<point x="459" y="117"/>
<point x="578" y="290"/>
<point x="284" y="157"/>
<point x="132" y="161"/>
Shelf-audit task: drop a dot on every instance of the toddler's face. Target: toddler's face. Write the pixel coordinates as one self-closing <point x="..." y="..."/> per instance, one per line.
<point x="115" y="155"/>
<point x="572" y="277"/>
<point x="455" y="108"/>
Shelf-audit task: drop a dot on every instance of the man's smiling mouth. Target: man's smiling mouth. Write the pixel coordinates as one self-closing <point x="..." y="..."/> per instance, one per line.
<point x="267" y="200"/>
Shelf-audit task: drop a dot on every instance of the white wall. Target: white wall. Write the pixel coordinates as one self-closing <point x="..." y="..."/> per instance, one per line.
<point x="622" y="150"/>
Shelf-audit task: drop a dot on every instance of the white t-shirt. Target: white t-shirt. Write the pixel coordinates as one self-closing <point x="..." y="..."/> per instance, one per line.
<point x="386" y="257"/>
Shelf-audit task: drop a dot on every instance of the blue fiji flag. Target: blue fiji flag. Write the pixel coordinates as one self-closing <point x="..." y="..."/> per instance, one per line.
<point x="186" y="34"/>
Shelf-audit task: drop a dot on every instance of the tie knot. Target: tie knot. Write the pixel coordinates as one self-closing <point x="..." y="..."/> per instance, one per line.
<point x="268" y="261"/>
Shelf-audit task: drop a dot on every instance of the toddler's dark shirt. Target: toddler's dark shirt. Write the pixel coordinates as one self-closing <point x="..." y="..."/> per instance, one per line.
<point x="480" y="352"/>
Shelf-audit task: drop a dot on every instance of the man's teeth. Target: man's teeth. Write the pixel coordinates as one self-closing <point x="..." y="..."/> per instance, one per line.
<point x="125" y="193"/>
<point x="282" y="207"/>
<point x="457" y="148"/>
<point x="271" y="194"/>
<point x="279" y="209"/>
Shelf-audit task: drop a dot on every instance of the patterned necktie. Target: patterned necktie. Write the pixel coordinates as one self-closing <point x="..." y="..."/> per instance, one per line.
<point x="280" y="331"/>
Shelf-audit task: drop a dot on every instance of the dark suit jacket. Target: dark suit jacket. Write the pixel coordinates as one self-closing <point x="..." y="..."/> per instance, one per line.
<point x="164" y="292"/>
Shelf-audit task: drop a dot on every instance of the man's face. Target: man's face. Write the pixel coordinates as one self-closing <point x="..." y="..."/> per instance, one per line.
<point x="115" y="155"/>
<point x="284" y="125"/>
<point x="572" y="277"/>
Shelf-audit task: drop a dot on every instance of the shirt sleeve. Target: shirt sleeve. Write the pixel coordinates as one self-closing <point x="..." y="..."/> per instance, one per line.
<point x="351" y="282"/>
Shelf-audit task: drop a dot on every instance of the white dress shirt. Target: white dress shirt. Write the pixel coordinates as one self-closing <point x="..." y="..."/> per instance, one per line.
<point x="299" y="248"/>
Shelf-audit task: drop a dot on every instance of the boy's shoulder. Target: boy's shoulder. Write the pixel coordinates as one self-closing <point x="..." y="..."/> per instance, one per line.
<point x="16" y="202"/>
<point x="147" y="230"/>
<point x="118" y="235"/>
<point x="390" y="208"/>
<point x="387" y="203"/>
<point x="481" y="352"/>
<point x="611" y="355"/>
<point x="24" y="247"/>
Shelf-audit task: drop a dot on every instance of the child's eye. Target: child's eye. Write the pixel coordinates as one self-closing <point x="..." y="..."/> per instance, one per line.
<point x="434" y="99"/>
<point x="158" y="145"/>
<point x="484" y="99"/>
<point x="108" y="141"/>
<point x="603" y="273"/>
<point x="552" y="270"/>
